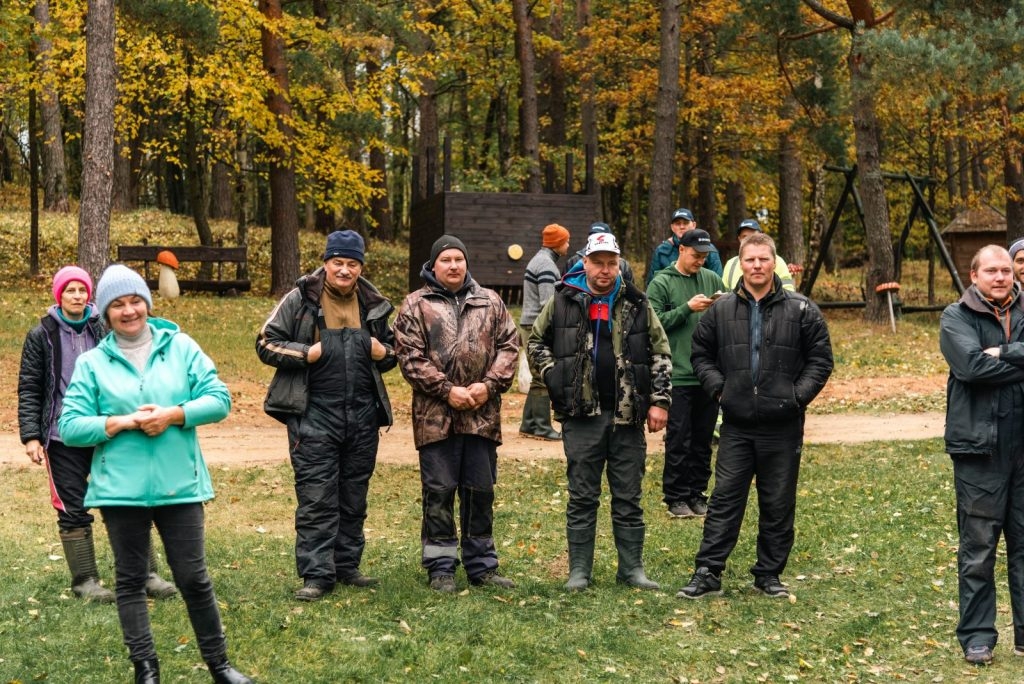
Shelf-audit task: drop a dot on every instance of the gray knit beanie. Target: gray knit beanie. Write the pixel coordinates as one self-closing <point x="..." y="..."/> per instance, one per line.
<point x="118" y="281"/>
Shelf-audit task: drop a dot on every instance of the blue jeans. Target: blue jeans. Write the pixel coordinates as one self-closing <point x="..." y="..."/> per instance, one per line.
<point x="183" y="532"/>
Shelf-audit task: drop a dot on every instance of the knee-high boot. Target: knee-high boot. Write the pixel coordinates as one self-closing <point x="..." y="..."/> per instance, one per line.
<point x="581" y="557"/>
<point x="81" y="557"/>
<point x="537" y="416"/>
<point x="629" y="541"/>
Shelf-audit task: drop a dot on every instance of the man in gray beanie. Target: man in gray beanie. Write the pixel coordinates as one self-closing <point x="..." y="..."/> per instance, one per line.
<point x="330" y="342"/>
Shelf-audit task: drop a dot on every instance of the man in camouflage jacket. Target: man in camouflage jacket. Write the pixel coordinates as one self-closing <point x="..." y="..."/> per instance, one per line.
<point x="607" y="364"/>
<point x="458" y="347"/>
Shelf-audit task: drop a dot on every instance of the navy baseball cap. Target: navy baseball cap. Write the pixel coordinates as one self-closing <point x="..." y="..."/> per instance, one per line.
<point x="748" y="224"/>
<point x="682" y="213"/>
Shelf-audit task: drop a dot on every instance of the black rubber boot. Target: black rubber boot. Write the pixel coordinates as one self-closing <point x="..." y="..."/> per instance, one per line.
<point x="537" y="416"/>
<point x="581" y="557"/>
<point x="629" y="542"/>
<point x="147" y="671"/>
<point x="81" y="557"/>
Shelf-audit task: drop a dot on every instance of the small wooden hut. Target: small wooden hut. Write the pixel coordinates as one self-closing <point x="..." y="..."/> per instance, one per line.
<point x="971" y="230"/>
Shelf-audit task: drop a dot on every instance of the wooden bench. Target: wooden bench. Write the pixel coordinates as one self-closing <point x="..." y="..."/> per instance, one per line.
<point x="192" y="254"/>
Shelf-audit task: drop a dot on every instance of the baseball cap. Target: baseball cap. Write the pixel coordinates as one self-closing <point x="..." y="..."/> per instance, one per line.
<point x="698" y="239"/>
<point x="748" y="224"/>
<point x="601" y="242"/>
<point x="682" y="213"/>
<point x="599" y="227"/>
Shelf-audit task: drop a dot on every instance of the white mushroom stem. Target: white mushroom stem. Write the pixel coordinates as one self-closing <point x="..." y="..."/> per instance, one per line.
<point x="167" y="285"/>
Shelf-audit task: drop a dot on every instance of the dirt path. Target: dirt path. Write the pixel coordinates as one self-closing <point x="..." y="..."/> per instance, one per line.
<point x="249" y="436"/>
<point x="232" y="444"/>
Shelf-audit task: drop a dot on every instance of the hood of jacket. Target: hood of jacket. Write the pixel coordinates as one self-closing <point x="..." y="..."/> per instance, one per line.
<point x="434" y="284"/>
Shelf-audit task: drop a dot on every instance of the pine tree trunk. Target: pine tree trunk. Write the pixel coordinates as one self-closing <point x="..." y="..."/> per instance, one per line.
<point x="98" y="138"/>
<point x="666" y="118"/>
<point x="707" y="203"/>
<point x="529" y="125"/>
<point x="284" y="211"/>
<point x="55" y="180"/>
<point x="791" y="217"/>
<point x="872" y="186"/>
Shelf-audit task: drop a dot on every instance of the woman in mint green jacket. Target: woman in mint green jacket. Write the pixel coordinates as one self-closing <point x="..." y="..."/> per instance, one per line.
<point x="137" y="398"/>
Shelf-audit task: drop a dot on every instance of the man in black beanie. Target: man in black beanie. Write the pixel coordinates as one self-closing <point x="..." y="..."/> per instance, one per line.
<point x="330" y="341"/>
<point x="458" y="347"/>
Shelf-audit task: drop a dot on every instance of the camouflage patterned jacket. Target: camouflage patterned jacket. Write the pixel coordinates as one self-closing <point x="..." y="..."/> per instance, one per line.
<point x="560" y="352"/>
<point x="446" y="340"/>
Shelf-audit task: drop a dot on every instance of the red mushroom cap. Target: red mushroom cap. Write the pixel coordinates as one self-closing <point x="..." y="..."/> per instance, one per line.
<point x="167" y="258"/>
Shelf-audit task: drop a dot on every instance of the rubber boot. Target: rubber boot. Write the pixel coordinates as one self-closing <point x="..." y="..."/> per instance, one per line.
<point x="224" y="673"/>
<point x="537" y="416"/>
<point x="629" y="542"/>
<point x="147" y="671"/>
<point x="81" y="557"/>
<point x="529" y="423"/>
<point x="157" y="586"/>
<point x="581" y="557"/>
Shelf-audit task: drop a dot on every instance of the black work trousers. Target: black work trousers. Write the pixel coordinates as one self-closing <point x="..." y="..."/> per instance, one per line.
<point x="769" y="456"/>
<point x="333" y="467"/>
<point x="68" y="469"/>
<point x="595" y="445"/>
<point x="990" y="504"/>
<point x="182" y="529"/>
<point x="466" y="465"/>
<point x="691" y="425"/>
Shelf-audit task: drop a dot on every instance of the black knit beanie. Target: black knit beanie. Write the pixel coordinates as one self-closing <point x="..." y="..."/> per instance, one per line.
<point x="446" y="242"/>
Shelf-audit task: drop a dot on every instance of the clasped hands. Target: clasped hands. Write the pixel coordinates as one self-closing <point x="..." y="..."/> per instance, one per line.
<point x="468" y="398"/>
<point x="152" y="419"/>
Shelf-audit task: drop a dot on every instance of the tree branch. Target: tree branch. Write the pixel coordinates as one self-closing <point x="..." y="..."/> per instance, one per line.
<point x="828" y="15"/>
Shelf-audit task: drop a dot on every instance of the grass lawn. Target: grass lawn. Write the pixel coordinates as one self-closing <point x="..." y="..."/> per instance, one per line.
<point x="873" y="575"/>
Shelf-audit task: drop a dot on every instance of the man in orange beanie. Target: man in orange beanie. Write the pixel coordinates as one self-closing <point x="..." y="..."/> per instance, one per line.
<point x="538" y="287"/>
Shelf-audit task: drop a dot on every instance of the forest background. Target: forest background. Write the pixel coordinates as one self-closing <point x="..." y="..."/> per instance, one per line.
<point x="320" y="113"/>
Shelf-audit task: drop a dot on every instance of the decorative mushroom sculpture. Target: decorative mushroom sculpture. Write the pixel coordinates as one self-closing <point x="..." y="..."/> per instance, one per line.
<point x="167" y="285"/>
<point x="888" y="289"/>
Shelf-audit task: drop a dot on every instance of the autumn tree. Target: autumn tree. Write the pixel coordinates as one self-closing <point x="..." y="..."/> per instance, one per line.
<point x="666" y="119"/>
<point x="98" y="139"/>
<point x="55" y="183"/>
<point x="867" y="130"/>
<point x="529" y="126"/>
<point x="284" y="212"/>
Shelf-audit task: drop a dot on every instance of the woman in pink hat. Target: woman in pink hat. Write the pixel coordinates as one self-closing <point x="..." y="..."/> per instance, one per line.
<point x="70" y="327"/>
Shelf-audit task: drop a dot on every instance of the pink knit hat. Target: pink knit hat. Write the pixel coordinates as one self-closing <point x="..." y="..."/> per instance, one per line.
<point x="68" y="274"/>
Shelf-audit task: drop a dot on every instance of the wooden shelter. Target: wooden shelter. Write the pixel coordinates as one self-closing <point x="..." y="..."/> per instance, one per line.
<point x="501" y="230"/>
<point x="971" y="230"/>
